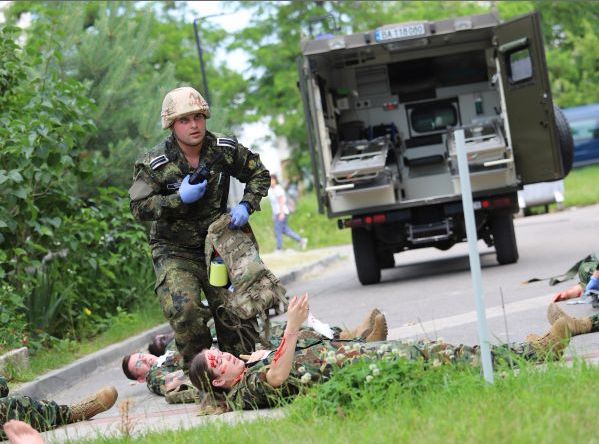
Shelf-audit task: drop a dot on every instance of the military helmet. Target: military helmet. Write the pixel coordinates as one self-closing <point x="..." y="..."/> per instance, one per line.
<point x="180" y="102"/>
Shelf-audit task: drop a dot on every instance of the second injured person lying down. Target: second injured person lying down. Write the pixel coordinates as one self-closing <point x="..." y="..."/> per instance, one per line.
<point x="269" y="376"/>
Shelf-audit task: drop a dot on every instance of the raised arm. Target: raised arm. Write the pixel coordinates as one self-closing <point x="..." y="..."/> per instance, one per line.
<point x="297" y="313"/>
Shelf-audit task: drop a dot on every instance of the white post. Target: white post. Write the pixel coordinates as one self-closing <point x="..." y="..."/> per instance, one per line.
<point x="483" y="330"/>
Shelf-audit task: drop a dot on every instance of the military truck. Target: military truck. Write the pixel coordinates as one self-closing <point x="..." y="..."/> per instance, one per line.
<point x="382" y="107"/>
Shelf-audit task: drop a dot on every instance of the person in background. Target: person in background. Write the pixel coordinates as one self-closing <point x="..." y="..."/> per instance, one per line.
<point x="280" y="214"/>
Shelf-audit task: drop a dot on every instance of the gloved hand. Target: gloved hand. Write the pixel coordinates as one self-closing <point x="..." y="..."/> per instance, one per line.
<point x="593" y="285"/>
<point x="191" y="193"/>
<point x="239" y="216"/>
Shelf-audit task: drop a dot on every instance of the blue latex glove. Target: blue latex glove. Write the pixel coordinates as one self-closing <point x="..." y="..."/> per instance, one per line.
<point x="593" y="285"/>
<point x="239" y="216"/>
<point x="191" y="193"/>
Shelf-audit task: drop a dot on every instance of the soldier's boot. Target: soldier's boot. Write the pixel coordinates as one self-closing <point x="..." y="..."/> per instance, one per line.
<point x="379" y="331"/>
<point x="576" y="326"/>
<point x="552" y="343"/>
<point x="362" y="330"/>
<point x="96" y="403"/>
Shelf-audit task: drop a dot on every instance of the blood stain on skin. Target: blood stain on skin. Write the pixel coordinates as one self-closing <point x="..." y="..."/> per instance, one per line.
<point x="279" y="351"/>
<point x="211" y="361"/>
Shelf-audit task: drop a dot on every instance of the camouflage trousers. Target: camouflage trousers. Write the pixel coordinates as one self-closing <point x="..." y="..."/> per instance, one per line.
<point x="180" y="281"/>
<point x="42" y="415"/>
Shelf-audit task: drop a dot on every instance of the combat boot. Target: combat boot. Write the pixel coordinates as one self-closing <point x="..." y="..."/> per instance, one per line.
<point x="99" y="402"/>
<point x="362" y="330"/>
<point x="575" y="325"/>
<point x="379" y="331"/>
<point x="552" y="343"/>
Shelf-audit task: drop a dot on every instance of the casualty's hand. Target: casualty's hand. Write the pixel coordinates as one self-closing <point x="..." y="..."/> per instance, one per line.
<point x="239" y="216"/>
<point x="570" y="293"/>
<point x="192" y="193"/>
<point x="281" y="216"/>
<point x="297" y="312"/>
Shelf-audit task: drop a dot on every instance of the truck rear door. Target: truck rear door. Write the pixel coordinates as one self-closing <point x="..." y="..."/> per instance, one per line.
<point x="313" y="142"/>
<point x="528" y="101"/>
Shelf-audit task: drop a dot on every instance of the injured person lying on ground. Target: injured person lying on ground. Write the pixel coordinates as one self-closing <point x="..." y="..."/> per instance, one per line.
<point x="165" y="374"/>
<point x="270" y="376"/>
<point x="46" y="415"/>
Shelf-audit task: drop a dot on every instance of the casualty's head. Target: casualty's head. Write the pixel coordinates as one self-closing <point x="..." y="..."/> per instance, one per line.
<point x="213" y="370"/>
<point x="184" y="112"/>
<point x="159" y="342"/>
<point x="136" y="366"/>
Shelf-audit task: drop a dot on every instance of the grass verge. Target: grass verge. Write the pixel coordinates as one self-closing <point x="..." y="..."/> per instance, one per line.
<point x="63" y="352"/>
<point x="549" y="404"/>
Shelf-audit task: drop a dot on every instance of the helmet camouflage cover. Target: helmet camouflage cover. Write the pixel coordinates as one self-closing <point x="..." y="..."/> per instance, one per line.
<point x="180" y="102"/>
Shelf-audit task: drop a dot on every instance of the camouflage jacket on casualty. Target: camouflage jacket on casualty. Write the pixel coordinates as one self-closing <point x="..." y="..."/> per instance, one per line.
<point x="316" y="358"/>
<point x="158" y="175"/>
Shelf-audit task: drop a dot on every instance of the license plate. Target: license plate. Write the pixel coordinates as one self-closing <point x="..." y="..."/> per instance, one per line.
<point x="399" y="32"/>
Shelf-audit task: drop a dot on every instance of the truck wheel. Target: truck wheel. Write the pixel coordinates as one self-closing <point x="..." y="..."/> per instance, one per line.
<point x="502" y="228"/>
<point x="386" y="259"/>
<point x="566" y="142"/>
<point x="367" y="266"/>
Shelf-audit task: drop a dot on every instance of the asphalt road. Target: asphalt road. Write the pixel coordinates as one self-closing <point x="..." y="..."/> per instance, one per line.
<point x="428" y="294"/>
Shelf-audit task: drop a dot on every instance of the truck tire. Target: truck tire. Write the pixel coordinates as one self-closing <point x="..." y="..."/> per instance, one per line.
<point x="367" y="266"/>
<point x="504" y="236"/>
<point x="566" y="142"/>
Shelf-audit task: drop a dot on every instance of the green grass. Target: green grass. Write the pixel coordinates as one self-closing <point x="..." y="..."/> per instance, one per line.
<point x="64" y="352"/>
<point x="581" y="186"/>
<point x="580" y="189"/>
<point x="554" y="404"/>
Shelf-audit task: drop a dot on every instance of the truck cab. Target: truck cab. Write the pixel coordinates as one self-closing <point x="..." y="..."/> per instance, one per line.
<point x="381" y="109"/>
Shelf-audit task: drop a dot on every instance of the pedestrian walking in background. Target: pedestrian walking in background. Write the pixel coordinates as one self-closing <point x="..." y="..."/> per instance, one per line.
<point x="280" y="214"/>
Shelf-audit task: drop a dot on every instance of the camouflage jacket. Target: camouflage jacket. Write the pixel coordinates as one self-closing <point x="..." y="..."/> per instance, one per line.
<point x="3" y="387"/>
<point x="158" y="175"/>
<point x="169" y="363"/>
<point x="316" y="362"/>
<point x="256" y="288"/>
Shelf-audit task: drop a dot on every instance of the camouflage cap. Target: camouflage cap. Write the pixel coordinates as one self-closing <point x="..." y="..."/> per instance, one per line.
<point x="180" y="102"/>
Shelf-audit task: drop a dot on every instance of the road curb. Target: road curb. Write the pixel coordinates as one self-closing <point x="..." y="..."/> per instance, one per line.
<point x="52" y="383"/>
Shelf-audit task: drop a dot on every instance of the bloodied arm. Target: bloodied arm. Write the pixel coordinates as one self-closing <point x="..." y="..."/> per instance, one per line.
<point x="283" y="359"/>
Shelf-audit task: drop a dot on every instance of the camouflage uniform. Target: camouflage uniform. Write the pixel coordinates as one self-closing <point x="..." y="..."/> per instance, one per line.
<point x="173" y="361"/>
<point x="315" y="363"/>
<point x="42" y="415"/>
<point x="178" y="231"/>
<point x="584" y="268"/>
<point x="255" y="289"/>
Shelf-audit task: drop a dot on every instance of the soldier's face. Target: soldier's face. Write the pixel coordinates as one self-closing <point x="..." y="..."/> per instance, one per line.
<point x="190" y="130"/>
<point x="226" y="368"/>
<point x="140" y="364"/>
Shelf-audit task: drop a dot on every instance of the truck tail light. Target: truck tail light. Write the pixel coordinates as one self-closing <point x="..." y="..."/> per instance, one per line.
<point x="362" y="221"/>
<point x="500" y="202"/>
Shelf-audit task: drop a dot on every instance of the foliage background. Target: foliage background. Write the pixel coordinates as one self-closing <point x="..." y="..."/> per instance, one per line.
<point x="80" y="93"/>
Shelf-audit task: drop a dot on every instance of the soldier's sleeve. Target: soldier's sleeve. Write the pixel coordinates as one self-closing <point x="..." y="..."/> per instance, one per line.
<point x="147" y="202"/>
<point x="249" y="169"/>
<point x="156" y="379"/>
<point x="253" y="392"/>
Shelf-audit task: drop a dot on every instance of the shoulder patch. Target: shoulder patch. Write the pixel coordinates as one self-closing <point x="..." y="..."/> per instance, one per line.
<point x="226" y="142"/>
<point x="157" y="162"/>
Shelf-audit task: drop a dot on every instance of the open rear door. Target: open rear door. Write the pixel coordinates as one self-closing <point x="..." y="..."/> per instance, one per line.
<point x="317" y="169"/>
<point x="527" y="94"/>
